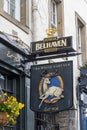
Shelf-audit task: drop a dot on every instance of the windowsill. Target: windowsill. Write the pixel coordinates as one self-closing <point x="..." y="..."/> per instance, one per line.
<point x="14" y="21"/>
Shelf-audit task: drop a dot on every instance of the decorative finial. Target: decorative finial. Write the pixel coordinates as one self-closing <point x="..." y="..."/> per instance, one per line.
<point x="50" y="32"/>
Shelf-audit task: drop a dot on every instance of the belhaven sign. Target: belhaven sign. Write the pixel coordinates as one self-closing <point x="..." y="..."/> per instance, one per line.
<point x="51" y="87"/>
<point x="52" y="45"/>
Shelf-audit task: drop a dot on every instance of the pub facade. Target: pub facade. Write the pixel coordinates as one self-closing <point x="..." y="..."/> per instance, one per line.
<point x="13" y="76"/>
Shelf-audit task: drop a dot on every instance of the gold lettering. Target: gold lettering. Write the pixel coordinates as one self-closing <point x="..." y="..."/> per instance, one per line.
<point x="38" y="46"/>
<point x="51" y="44"/>
<point x="62" y="43"/>
<point x="51" y="108"/>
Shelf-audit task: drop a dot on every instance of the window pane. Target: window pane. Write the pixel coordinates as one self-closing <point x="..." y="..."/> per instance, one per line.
<point x="2" y="81"/>
<point x="80" y="45"/>
<point x="6" y="6"/>
<point x="17" y="9"/>
<point x="12" y="8"/>
<point x="54" y="13"/>
<point x="12" y="11"/>
<point x="9" y="84"/>
<point x="12" y="2"/>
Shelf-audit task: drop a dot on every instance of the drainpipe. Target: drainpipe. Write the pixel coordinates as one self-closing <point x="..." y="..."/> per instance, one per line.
<point x="35" y="16"/>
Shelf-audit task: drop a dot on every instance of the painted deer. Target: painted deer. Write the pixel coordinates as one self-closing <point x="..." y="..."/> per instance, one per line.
<point x="51" y="91"/>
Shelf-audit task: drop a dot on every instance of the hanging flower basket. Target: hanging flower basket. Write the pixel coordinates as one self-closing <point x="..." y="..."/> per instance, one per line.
<point x="4" y="118"/>
<point x="9" y="109"/>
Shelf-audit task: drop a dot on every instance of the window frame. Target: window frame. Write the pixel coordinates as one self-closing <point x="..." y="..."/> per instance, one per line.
<point x="53" y="13"/>
<point x="80" y="23"/>
<point x="11" y="7"/>
<point x="23" y="25"/>
<point x="79" y="44"/>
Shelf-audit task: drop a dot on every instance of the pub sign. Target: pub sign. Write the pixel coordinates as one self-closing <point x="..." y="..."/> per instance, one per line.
<point x="51" y="87"/>
<point x="52" y="45"/>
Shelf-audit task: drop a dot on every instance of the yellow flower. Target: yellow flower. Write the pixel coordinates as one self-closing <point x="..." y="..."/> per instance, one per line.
<point x="17" y="113"/>
<point x="5" y="94"/>
<point x="12" y="121"/>
<point x="12" y="107"/>
<point x="14" y="99"/>
<point x="21" y="105"/>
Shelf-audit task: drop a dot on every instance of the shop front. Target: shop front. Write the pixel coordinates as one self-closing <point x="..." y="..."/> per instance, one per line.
<point x="12" y="76"/>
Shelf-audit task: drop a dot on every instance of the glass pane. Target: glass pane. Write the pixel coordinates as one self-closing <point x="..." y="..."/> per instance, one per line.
<point x="6" y="6"/>
<point x="2" y="81"/>
<point x="9" y="84"/>
<point x="54" y="8"/>
<point x="12" y="2"/>
<point x="54" y="13"/>
<point x="12" y="8"/>
<point x="12" y="11"/>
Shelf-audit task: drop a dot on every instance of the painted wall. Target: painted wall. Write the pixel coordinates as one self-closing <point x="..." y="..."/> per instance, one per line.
<point x="70" y="7"/>
<point x="7" y="27"/>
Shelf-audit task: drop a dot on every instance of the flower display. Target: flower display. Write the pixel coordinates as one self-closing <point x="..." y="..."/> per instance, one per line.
<point x="11" y="107"/>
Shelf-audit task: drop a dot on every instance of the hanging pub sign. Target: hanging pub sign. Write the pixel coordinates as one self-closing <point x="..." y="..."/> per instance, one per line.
<point x="52" y="45"/>
<point x="51" y="87"/>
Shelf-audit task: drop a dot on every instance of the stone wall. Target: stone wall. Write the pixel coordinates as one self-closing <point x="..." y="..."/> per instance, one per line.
<point x="67" y="120"/>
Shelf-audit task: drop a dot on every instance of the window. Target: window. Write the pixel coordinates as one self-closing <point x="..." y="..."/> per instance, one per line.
<point x="80" y="44"/>
<point x="12" y="7"/>
<point x="81" y="39"/>
<point x="17" y="12"/>
<point x="53" y="13"/>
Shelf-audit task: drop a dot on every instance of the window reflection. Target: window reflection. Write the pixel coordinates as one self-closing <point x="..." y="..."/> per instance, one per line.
<point x="2" y="81"/>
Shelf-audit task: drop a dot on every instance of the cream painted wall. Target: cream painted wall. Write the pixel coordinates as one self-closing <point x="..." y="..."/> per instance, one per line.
<point x="7" y="27"/>
<point x="70" y="7"/>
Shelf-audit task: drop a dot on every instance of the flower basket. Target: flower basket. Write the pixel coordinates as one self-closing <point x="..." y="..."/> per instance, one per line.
<point x="4" y="118"/>
<point x="9" y="109"/>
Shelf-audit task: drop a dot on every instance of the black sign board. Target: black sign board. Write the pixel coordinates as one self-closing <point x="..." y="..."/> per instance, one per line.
<point x="52" y="45"/>
<point x="10" y="56"/>
<point x="51" y="87"/>
<point x="13" y="53"/>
